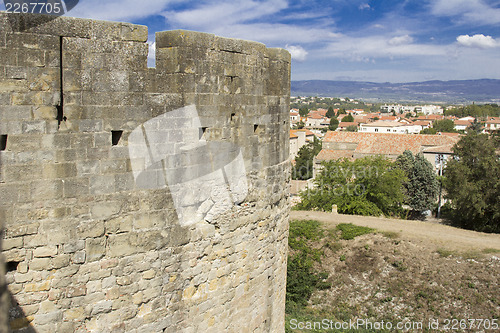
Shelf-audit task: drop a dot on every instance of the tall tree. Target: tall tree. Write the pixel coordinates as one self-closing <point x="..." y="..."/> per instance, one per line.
<point x="330" y="113"/>
<point x="334" y="124"/>
<point x="472" y="183"/>
<point x="303" y="111"/>
<point x="348" y="118"/>
<point x="304" y="162"/>
<point x="421" y="187"/>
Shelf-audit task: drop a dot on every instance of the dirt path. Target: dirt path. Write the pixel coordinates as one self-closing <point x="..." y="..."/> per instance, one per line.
<point x="432" y="234"/>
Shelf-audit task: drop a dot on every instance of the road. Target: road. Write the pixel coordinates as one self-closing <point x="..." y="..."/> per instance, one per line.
<point x="436" y="235"/>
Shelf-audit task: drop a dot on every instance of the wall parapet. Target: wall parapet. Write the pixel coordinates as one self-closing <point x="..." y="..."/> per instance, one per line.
<point x="141" y="199"/>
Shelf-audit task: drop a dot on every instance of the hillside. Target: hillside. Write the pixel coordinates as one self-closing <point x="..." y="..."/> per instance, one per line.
<point x="401" y="274"/>
<point x="458" y="91"/>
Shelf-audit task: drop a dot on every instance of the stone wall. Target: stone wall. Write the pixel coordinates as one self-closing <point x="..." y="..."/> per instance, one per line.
<point x="140" y="199"/>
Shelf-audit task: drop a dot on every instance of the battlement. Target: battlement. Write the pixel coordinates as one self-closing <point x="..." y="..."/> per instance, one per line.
<point x="142" y="199"/>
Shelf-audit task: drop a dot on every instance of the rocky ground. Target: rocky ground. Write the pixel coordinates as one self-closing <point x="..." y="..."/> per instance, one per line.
<point x="409" y="272"/>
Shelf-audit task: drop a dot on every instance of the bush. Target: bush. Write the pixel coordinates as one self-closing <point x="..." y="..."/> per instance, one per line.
<point x="301" y="279"/>
<point x="351" y="231"/>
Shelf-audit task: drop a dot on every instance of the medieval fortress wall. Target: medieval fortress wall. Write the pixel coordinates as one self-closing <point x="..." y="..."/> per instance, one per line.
<point x="139" y="199"/>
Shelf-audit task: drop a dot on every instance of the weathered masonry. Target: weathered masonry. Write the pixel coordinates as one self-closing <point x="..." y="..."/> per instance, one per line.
<point x="139" y="199"/>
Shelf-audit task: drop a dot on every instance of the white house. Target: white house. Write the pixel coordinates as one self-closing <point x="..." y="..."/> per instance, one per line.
<point x="390" y="127"/>
<point x="461" y="125"/>
<point x="492" y="125"/>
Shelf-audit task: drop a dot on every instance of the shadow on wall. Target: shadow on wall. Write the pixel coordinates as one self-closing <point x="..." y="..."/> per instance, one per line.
<point x="18" y="319"/>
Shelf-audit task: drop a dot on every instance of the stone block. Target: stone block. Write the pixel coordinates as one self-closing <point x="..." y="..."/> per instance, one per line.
<point x="75" y="291"/>
<point x="45" y="251"/>
<point x="75" y="314"/>
<point x="40" y="264"/>
<point x="101" y="307"/>
<point x="95" y="248"/>
<point x="17" y="255"/>
<point x="90" y="229"/>
<point x="11" y="243"/>
<point x="79" y="257"/>
<point x="74" y="246"/>
<point x="134" y="32"/>
<point x="120" y="245"/>
<point x="36" y="287"/>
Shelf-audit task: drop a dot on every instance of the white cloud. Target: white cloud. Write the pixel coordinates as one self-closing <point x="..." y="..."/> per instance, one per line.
<point x="276" y="34"/>
<point x="400" y="40"/>
<point x="224" y="13"/>
<point x="364" y="6"/>
<point x="119" y="10"/>
<point x="297" y="52"/>
<point x="480" y="41"/>
<point x="363" y="49"/>
<point x="478" y="12"/>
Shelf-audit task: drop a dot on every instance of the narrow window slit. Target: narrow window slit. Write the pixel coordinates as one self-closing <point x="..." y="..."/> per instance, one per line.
<point x="3" y="141"/>
<point x="255" y="128"/>
<point x="12" y="266"/>
<point x="115" y="137"/>
<point x="232" y="116"/>
<point x="60" y="108"/>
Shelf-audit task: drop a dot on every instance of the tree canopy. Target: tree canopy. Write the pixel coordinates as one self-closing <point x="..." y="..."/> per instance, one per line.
<point x="303" y="168"/>
<point x="421" y="187"/>
<point x="472" y="183"/>
<point x="474" y="110"/>
<point x="334" y="124"/>
<point x="366" y="186"/>
<point x="348" y="118"/>
<point x="444" y="125"/>
<point x="330" y="113"/>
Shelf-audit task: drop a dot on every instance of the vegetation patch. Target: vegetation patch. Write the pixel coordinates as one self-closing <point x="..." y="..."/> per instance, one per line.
<point x="351" y="231"/>
<point x="302" y="279"/>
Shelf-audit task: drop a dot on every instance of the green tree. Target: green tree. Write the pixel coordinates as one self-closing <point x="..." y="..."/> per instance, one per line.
<point x="348" y="118"/>
<point x="366" y="186"/>
<point x="444" y="125"/>
<point x="300" y="125"/>
<point x="303" y="111"/>
<point x="421" y="187"/>
<point x="330" y="113"/>
<point x="352" y="128"/>
<point x="472" y="183"/>
<point x="334" y="124"/>
<point x="304" y="162"/>
<point x="428" y="131"/>
<point x="475" y="127"/>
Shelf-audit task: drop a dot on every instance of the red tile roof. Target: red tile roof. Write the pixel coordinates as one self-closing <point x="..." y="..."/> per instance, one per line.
<point x="387" y="143"/>
<point x="444" y="149"/>
<point x="347" y="123"/>
<point x="328" y="154"/>
<point x="422" y="122"/>
<point x="463" y="122"/>
<point x="493" y="120"/>
<point x="315" y="116"/>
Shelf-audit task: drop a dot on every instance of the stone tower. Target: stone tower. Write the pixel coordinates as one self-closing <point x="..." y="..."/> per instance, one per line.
<point x="139" y="199"/>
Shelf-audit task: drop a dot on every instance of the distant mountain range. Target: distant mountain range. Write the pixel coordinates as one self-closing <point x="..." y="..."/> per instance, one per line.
<point x="459" y="91"/>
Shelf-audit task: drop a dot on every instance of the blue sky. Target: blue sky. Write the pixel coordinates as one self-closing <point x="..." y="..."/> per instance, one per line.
<point x="365" y="40"/>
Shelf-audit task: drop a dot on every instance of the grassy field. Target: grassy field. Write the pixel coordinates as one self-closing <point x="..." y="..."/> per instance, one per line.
<point x="371" y="281"/>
